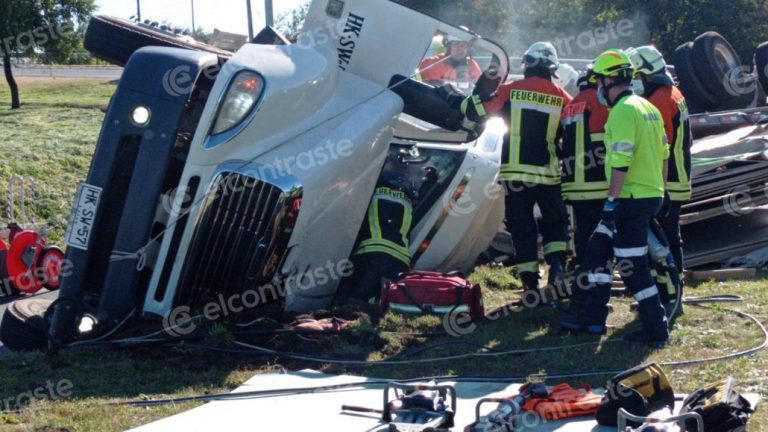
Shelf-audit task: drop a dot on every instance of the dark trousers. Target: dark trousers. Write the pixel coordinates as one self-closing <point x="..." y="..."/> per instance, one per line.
<point x="671" y="226"/>
<point x="369" y="271"/>
<point x="586" y="215"/>
<point x="630" y="248"/>
<point x="519" y="203"/>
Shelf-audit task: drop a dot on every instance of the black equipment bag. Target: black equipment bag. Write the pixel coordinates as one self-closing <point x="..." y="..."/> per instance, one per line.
<point x="641" y="390"/>
<point x="722" y="409"/>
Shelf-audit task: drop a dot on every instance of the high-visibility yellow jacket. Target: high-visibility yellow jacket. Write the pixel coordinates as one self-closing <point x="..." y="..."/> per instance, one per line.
<point x="389" y="220"/>
<point x="635" y="140"/>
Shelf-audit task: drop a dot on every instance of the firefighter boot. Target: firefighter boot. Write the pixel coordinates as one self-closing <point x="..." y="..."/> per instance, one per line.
<point x="655" y="330"/>
<point x="557" y="277"/>
<point x="532" y="296"/>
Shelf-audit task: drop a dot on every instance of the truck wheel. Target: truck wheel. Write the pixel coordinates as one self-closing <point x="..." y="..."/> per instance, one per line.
<point x="115" y="40"/>
<point x="692" y="87"/>
<point x="761" y="62"/>
<point x="718" y="66"/>
<point x="23" y="327"/>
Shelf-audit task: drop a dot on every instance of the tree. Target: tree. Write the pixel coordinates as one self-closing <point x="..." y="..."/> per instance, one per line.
<point x="580" y="25"/>
<point x="290" y="23"/>
<point x="29" y="26"/>
<point x="673" y="22"/>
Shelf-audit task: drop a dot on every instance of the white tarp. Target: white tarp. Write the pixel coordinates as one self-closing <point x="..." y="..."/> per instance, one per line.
<point x="322" y="411"/>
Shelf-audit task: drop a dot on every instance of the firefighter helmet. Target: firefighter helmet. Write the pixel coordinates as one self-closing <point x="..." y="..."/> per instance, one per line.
<point x="565" y="75"/>
<point x="541" y="53"/>
<point x="647" y="60"/>
<point x="613" y="63"/>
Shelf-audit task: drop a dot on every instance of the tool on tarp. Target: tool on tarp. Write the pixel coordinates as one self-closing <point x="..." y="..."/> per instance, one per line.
<point x="423" y="407"/>
<point x="506" y="415"/>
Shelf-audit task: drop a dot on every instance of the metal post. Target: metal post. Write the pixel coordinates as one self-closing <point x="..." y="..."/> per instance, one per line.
<point x="269" y="13"/>
<point x="250" y="20"/>
<point x="138" y="9"/>
<point x="193" y="17"/>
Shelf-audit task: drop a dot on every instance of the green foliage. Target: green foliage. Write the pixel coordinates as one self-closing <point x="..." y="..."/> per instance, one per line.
<point x="290" y="23"/>
<point x="584" y="28"/>
<point x="27" y="26"/>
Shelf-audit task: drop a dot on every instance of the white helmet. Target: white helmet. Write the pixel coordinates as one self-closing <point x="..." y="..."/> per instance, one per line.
<point x="565" y="76"/>
<point x="647" y="60"/>
<point x="541" y="53"/>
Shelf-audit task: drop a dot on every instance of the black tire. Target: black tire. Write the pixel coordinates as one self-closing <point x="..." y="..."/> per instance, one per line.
<point x="23" y="327"/>
<point x="116" y="39"/>
<point x="718" y="66"/>
<point x="761" y="62"/>
<point x="744" y="101"/>
<point x="691" y="86"/>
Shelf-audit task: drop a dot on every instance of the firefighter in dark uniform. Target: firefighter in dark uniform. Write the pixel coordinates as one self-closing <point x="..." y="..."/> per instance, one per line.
<point x="530" y="167"/>
<point x="584" y="184"/>
<point x="654" y="83"/>
<point x="636" y="168"/>
<point x="382" y="247"/>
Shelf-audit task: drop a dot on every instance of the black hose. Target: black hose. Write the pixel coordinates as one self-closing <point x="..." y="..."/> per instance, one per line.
<point x="252" y="349"/>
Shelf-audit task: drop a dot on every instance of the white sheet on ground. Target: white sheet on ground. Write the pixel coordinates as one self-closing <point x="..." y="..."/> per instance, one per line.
<point x="322" y="411"/>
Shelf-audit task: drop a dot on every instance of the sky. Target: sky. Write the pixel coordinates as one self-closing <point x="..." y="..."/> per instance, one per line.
<point x="226" y="15"/>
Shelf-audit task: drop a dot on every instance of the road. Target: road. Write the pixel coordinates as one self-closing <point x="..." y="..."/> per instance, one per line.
<point x="5" y="301"/>
<point x="97" y="72"/>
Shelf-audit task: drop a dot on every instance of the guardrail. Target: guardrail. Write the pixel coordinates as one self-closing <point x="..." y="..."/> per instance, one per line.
<point x="75" y="71"/>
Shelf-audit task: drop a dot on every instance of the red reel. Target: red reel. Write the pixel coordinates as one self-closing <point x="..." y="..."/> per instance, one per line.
<point x="49" y="267"/>
<point x="22" y="260"/>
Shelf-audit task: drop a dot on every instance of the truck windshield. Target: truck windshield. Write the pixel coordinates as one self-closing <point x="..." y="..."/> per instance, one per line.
<point x="463" y="61"/>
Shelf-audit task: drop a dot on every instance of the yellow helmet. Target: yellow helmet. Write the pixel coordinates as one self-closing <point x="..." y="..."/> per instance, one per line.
<point x="613" y="63"/>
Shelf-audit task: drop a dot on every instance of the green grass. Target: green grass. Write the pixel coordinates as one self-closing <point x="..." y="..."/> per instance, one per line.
<point x="50" y="142"/>
<point x="54" y="145"/>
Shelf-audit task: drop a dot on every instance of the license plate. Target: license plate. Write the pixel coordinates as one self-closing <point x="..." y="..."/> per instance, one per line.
<point x="83" y="216"/>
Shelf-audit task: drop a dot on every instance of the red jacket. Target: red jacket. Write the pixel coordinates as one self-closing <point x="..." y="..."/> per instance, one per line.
<point x="674" y="110"/>
<point x="433" y="69"/>
<point x="583" y="149"/>
<point x="532" y="108"/>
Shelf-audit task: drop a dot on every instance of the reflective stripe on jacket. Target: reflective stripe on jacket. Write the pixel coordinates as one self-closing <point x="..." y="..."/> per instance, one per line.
<point x="583" y="148"/>
<point x="674" y="111"/>
<point x="389" y="218"/>
<point x="532" y="107"/>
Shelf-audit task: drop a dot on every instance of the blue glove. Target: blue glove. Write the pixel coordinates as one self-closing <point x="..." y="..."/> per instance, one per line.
<point x="609" y="211"/>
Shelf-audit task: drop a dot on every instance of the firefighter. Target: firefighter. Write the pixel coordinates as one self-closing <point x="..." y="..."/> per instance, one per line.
<point x="455" y="65"/>
<point x="636" y="169"/>
<point x="584" y="184"/>
<point x="654" y="83"/>
<point x="530" y="167"/>
<point x="382" y="247"/>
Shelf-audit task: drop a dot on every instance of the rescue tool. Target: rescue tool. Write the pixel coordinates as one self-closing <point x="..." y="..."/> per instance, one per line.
<point x="421" y="407"/>
<point x="505" y="417"/>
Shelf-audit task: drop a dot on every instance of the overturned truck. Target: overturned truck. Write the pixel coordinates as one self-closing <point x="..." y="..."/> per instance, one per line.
<point x="217" y="173"/>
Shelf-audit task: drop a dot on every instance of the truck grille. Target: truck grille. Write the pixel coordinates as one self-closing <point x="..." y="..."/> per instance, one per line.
<point x="239" y="241"/>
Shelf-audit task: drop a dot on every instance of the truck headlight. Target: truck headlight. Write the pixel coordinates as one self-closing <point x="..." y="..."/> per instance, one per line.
<point x="243" y="93"/>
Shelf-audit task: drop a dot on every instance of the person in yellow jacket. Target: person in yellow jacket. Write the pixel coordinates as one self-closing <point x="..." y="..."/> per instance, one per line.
<point x="636" y="169"/>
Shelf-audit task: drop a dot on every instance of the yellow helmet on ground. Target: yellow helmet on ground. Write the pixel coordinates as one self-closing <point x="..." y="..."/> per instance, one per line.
<point x="613" y="63"/>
